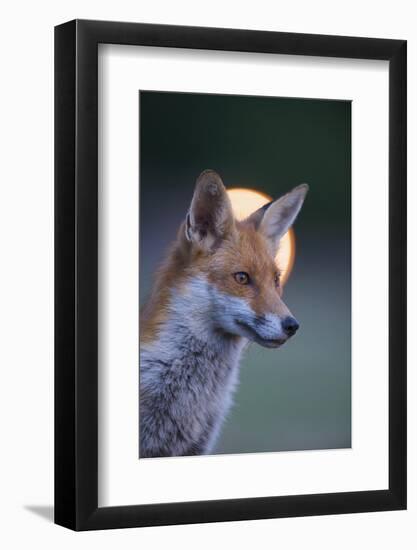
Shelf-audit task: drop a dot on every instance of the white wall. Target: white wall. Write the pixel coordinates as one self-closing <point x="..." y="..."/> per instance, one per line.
<point x="26" y="292"/>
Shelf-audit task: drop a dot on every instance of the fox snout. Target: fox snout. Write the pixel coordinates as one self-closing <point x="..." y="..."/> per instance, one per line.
<point x="269" y="330"/>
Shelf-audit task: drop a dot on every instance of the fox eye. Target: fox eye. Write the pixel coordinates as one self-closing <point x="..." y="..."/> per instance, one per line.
<point x="241" y="277"/>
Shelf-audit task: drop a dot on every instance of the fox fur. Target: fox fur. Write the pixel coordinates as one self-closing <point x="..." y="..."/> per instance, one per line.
<point x="217" y="290"/>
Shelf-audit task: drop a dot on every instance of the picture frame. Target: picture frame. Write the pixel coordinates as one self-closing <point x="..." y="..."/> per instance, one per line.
<point x="76" y="272"/>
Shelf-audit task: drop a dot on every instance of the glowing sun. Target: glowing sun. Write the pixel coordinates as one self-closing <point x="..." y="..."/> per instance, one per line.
<point x="246" y="201"/>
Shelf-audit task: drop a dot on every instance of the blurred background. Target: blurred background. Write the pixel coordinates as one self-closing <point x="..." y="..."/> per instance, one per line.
<point x="297" y="397"/>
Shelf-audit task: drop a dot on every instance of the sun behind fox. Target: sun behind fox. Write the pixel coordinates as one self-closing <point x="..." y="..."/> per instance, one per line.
<point x="218" y="288"/>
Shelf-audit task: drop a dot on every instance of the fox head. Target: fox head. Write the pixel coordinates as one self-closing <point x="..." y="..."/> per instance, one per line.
<point x="236" y="261"/>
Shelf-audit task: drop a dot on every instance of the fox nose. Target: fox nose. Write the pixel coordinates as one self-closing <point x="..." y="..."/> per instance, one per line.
<point x="290" y="326"/>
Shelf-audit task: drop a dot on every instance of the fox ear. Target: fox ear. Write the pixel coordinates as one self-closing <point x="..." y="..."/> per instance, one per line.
<point x="210" y="217"/>
<point x="275" y="219"/>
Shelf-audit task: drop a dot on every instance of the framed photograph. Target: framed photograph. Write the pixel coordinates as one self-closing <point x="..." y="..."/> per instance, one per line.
<point x="230" y="248"/>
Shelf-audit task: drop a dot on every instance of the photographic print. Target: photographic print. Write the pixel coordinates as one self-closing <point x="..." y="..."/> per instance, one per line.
<point x="230" y="206"/>
<point x="245" y="274"/>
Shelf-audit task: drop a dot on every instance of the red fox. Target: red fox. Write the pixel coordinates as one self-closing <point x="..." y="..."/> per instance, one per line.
<point x="218" y="289"/>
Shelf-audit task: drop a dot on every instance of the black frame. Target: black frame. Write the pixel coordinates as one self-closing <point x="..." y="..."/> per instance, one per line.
<point x="76" y="270"/>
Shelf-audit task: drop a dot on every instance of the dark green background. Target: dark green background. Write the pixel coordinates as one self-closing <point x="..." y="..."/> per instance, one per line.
<point x="298" y="397"/>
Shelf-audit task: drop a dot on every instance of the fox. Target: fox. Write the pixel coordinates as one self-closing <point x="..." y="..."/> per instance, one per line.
<point x="217" y="291"/>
